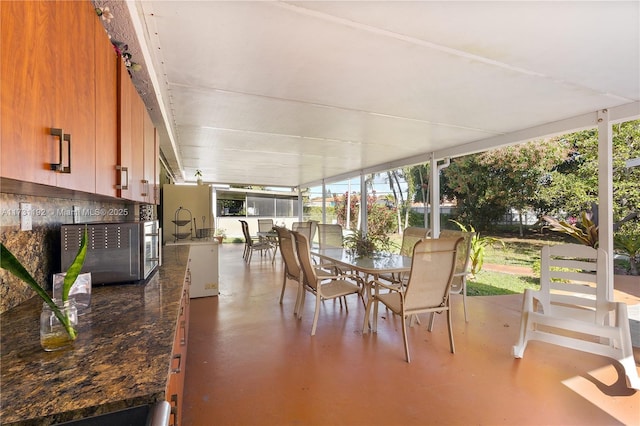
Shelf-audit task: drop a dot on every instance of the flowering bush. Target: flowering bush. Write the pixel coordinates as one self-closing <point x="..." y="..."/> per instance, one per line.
<point x="381" y="218"/>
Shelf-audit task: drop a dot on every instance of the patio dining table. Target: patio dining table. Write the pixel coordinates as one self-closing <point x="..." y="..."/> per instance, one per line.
<point x="371" y="266"/>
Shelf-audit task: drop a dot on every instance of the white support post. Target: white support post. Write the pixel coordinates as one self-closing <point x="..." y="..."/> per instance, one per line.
<point x="363" y="204"/>
<point x="348" y="224"/>
<point x="434" y="199"/>
<point x="605" y="193"/>
<point x="300" y="205"/>
<point x="214" y="208"/>
<point x="324" y="202"/>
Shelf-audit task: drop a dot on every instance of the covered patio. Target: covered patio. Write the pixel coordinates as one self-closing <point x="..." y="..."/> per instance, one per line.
<point x="251" y="362"/>
<point x="299" y="94"/>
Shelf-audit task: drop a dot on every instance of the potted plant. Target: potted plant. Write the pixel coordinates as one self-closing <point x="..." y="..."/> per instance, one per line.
<point x="59" y="317"/>
<point x="198" y="176"/>
<point x="367" y="245"/>
<point x="220" y="234"/>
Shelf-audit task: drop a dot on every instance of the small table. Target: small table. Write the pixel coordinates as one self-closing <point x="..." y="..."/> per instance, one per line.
<point x="267" y="234"/>
<point x="272" y="238"/>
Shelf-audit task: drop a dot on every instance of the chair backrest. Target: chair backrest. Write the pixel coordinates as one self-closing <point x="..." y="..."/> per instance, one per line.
<point x="314" y="230"/>
<point x="431" y="273"/>
<point x="308" y="228"/>
<point x="265" y="225"/>
<point x="573" y="281"/>
<point x="300" y="226"/>
<point x="463" y="256"/>
<point x="287" y="250"/>
<point x="245" y="230"/>
<point x="330" y="235"/>
<point x="309" y="277"/>
<point x="410" y="236"/>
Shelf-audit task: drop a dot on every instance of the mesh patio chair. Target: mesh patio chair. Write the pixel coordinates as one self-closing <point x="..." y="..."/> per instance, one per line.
<point x="252" y="245"/>
<point x="410" y="237"/>
<point x="324" y="287"/>
<point x="265" y="225"/>
<point x="308" y="228"/>
<point x="427" y="289"/>
<point x="463" y="264"/>
<point x="330" y="235"/>
<point x="292" y="269"/>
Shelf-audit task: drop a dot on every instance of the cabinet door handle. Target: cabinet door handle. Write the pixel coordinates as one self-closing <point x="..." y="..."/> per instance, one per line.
<point x="183" y="327"/>
<point x="62" y="137"/>
<point x="145" y="186"/>
<point x="174" y="409"/>
<point x="124" y="183"/>
<point x="178" y="368"/>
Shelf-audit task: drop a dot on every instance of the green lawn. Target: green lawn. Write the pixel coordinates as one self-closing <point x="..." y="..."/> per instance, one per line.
<point x="490" y="283"/>
<point x="524" y="252"/>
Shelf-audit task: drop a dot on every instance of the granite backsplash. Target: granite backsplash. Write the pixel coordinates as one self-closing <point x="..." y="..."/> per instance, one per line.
<point x="39" y="249"/>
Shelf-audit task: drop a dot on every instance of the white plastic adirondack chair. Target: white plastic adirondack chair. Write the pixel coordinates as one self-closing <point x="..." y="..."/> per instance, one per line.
<point x="573" y="310"/>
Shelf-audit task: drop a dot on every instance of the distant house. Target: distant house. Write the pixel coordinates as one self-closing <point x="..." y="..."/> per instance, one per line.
<point x="317" y="202"/>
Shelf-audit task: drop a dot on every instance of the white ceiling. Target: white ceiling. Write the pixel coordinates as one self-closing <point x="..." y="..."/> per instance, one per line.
<point x="290" y="93"/>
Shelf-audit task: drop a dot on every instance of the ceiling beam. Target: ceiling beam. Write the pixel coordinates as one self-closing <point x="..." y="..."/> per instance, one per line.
<point x="622" y="113"/>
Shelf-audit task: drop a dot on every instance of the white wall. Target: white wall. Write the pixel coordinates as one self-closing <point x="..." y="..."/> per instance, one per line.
<point x="195" y="198"/>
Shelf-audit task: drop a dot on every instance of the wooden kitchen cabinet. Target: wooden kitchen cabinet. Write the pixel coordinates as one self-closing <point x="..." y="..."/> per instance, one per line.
<point x="48" y="81"/>
<point x="26" y="91"/>
<point x="175" y="385"/>
<point x="106" y="82"/>
<point x="134" y="128"/>
<point x="151" y="166"/>
<point x="60" y="71"/>
<point x="138" y="111"/>
<point x="126" y="92"/>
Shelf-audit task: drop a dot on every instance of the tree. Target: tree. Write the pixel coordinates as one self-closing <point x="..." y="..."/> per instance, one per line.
<point x="419" y="181"/>
<point x="411" y="190"/>
<point x="517" y="171"/>
<point x="398" y="199"/>
<point x="481" y="200"/>
<point x="572" y="187"/>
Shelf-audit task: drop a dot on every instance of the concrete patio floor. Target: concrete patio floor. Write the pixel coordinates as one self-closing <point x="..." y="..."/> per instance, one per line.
<point x="251" y="362"/>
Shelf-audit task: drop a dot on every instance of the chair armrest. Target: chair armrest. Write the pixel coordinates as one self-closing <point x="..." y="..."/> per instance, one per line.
<point x="325" y="274"/>
<point x="351" y="276"/>
<point x="383" y="285"/>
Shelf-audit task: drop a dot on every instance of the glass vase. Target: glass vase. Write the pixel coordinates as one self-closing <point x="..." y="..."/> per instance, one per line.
<point x="80" y="291"/>
<point x="54" y="335"/>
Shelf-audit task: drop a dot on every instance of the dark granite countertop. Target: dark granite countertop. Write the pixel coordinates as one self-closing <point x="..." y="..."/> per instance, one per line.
<point x="120" y="359"/>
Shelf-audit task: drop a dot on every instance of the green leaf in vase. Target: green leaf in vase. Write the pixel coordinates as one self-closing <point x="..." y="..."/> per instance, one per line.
<point x="74" y="269"/>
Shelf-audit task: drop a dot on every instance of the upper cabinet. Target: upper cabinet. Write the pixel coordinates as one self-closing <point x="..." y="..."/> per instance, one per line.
<point x="136" y="145"/>
<point x="48" y="93"/>
<point x="151" y="167"/>
<point x="71" y="116"/>
<point x="106" y="83"/>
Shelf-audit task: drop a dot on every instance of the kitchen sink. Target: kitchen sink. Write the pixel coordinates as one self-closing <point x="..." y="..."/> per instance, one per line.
<point x="142" y="415"/>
